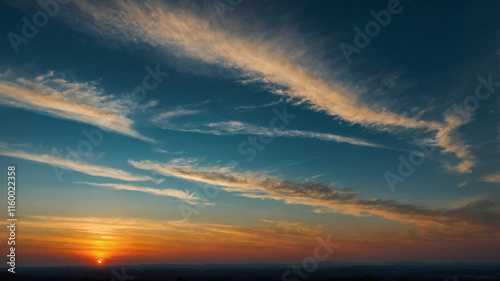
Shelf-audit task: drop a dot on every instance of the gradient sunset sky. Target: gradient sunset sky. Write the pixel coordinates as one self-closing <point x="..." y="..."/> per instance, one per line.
<point x="181" y="132"/>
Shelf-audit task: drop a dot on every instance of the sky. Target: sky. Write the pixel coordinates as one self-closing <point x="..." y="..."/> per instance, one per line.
<point x="148" y="132"/>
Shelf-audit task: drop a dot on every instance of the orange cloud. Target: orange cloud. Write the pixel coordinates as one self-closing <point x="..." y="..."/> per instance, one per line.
<point x="481" y="213"/>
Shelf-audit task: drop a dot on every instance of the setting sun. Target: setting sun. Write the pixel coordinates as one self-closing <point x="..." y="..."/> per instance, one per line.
<point x="99" y="261"/>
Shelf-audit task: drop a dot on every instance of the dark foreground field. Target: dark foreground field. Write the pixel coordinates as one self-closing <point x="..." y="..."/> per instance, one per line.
<point x="261" y="272"/>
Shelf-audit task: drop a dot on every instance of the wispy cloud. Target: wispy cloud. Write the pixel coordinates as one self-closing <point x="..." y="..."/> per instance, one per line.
<point x="276" y="62"/>
<point x="266" y="240"/>
<point x="492" y="178"/>
<point x="186" y="196"/>
<point x="77" y="101"/>
<point x="326" y="198"/>
<point x="300" y="162"/>
<point x="159" y="150"/>
<point x="173" y="241"/>
<point x="241" y="128"/>
<point x="89" y="169"/>
<point x="166" y="116"/>
<point x="314" y="177"/>
<point x="248" y="107"/>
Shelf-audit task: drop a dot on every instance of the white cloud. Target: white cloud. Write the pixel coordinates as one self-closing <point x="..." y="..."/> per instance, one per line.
<point x="61" y="98"/>
<point x="240" y="128"/>
<point x="186" y="196"/>
<point x="274" y="62"/>
<point x="166" y="116"/>
<point x="159" y="150"/>
<point x="93" y="170"/>
<point x="246" y="107"/>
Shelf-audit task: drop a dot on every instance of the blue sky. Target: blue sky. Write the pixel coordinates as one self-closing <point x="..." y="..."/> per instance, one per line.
<point x="205" y="122"/>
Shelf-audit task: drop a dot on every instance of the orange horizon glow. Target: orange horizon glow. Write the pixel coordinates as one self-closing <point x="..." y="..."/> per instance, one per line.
<point x="95" y="240"/>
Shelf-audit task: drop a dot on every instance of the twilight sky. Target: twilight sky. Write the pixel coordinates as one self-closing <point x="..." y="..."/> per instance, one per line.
<point x="242" y="131"/>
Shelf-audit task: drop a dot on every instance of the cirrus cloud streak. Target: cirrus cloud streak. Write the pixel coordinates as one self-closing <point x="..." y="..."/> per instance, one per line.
<point x="326" y="198"/>
<point x="272" y="61"/>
